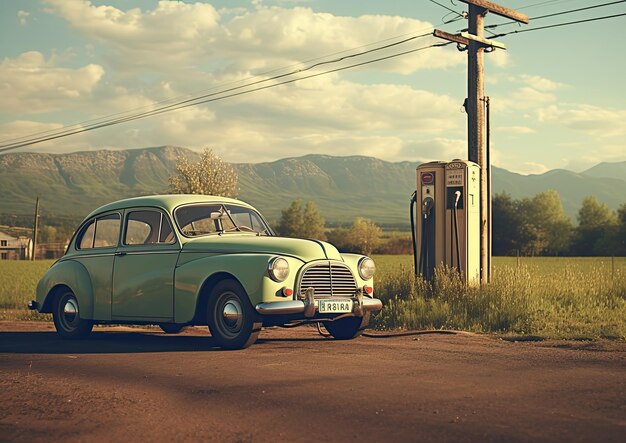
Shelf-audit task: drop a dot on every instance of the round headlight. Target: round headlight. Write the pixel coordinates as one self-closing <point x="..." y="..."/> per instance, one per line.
<point x="366" y="268"/>
<point x="278" y="269"/>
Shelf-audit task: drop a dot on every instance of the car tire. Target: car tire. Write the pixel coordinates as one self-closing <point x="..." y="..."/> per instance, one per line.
<point x="66" y="316"/>
<point x="171" y="328"/>
<point x="347" y="328"/>
<point x="232" y="320"/>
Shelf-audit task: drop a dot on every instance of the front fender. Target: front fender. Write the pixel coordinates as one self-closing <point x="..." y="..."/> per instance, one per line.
<point x="68" y="273"/>
<point x="249" y="269"/>
<point x="352" y="260"/>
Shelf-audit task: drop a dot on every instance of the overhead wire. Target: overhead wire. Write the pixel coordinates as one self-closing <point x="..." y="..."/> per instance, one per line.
<point x="556" y="25"/>
<point x="103" y="122"/>
<point x="219" y="95"/>
<point x="213" y="98"/>
<point x="555" y="14"/>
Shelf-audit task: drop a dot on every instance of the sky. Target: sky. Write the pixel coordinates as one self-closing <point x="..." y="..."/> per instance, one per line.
<point x="557" y="95"/>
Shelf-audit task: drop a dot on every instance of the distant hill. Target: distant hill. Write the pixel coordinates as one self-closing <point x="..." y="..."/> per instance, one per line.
<point x="343" y="187"/>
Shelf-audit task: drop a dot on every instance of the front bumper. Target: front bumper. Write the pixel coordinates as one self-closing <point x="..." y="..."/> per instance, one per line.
<point x="309" y="306"/>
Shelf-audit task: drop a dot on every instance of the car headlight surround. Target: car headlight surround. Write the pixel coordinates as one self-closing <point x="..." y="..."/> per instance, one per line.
<point x="367" y="268"/>
<point x="278" y="269"/>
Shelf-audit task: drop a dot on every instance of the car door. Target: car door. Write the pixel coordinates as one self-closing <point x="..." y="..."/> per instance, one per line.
<point x="143" y="272"/>
<point x="96" y="244"/>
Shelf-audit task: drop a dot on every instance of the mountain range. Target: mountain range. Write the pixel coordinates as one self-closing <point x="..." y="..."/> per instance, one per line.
<point x="71" y="185"/>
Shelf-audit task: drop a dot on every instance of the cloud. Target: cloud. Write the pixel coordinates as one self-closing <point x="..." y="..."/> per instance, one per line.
<point x="541" y="83"/>
<point x="590" y="119"/>
<point x="22" y="16"/>
<point x="177" y="35"/>
<point x="515" y="130"/>
<point x="437" y="148"/>
<point x="32" y="84"/>
<point x="12" y="132"/>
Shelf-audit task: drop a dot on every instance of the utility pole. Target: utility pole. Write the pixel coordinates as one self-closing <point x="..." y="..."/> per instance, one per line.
<point x="475" y="42"/>
<point x="35" y="230"/>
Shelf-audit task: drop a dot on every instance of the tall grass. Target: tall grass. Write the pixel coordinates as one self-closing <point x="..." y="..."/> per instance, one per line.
<point x="18" y="281"/>
<point x="547" y="297"/>
<point x="558" y="298"/>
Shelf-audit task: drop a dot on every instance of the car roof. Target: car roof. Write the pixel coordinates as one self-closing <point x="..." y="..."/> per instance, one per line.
<point x="168" y="202"/>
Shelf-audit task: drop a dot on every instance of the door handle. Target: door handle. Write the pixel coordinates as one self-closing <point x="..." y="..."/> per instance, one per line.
<point x="120" y="254"/>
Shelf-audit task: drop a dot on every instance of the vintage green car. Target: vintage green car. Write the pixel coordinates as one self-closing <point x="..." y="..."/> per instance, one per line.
<point x="179" y="260"/>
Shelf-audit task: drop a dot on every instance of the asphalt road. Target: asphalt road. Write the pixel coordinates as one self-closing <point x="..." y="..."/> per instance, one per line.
<point x="294" y="385"/>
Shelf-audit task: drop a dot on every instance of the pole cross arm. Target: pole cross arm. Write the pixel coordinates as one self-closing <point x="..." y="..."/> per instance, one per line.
<point x="499" y="10"/>
<point x="456" y="38"/>
<point x="464" y="39"/>
<point x="483" y="41"/>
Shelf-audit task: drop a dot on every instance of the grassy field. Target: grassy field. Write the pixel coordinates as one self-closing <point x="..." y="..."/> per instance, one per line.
<point x="543" y="296"/>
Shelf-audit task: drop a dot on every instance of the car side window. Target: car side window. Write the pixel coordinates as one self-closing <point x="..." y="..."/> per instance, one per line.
<point x="147" y="228"/>
<point x="107" y="231"/>
<point x="102" y="232"/>
<point x="86" y="239"/>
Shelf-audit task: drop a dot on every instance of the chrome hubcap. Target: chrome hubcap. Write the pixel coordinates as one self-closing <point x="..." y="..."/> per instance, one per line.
<point x="70" y="311"/>
<point x="232" y="314"/>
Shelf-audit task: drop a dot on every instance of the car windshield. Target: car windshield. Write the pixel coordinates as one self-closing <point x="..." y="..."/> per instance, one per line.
<point x="216" y="218"/>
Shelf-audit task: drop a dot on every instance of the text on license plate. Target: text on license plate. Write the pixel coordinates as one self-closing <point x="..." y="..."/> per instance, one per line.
<point x="335" y="306"/>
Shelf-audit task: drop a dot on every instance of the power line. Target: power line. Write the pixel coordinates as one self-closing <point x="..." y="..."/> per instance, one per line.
<point x="555" y="14"/>
<point x="213" y="99"/>
<point x="100" y="123"/>
<point x="556" y="25"/>
<point x="94" y="121"/>
<point x="206" y="98"/>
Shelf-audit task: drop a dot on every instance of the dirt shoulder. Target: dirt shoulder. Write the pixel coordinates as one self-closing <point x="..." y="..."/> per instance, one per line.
<point x="138" y="383"/>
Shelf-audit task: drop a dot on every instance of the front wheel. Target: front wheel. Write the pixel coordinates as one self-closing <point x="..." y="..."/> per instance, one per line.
<point x="232" y="320"/>
<point x="66" y="316"/>
<point x="347" y="328"/>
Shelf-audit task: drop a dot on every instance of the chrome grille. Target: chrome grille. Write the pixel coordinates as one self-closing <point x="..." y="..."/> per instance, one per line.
<point x="328" y="279"/>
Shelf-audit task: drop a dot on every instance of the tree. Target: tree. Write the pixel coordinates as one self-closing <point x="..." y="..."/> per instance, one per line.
<point x="291" y="220"/>
<point x="619" y="240"/>
<point x="595" y="223"/>
<point x="210" y="176"/>
<point x="339" y="237"/>
<point x="506" y="224"/>
<point x="364" y="234"/>
<point x="313" y="222"/>
<point x="552" y="227"/>
<point x="296" y="223"/>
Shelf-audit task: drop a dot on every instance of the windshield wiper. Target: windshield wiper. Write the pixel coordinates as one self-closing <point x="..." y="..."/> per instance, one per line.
<point x="232" y="220"/>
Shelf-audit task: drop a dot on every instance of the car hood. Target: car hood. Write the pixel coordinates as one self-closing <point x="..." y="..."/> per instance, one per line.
<point x="305" y="250"/>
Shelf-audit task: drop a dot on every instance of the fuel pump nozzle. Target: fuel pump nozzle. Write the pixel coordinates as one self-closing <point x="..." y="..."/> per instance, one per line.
<point x="427" y="204"/>
<point x="457" y="197"/>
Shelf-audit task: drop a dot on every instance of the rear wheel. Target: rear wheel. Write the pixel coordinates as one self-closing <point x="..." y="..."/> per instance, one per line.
<point x="171" y="328"/>
<point x="232" y="320"/>
<point x="66" y="316"/>
<point x="347" y="328"/>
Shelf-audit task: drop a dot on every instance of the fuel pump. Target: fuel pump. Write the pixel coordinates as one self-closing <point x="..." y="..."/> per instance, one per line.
<point x="462" y="248"/>
<point x="447" y="229"/>
<point x="428" y="232"/>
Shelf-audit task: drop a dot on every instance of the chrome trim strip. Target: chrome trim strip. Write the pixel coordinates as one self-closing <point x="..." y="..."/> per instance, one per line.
<point x="77" y="256"/>
<point x="176" y="251"/>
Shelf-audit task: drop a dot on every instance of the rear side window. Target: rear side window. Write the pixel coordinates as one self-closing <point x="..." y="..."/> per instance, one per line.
<point x="102" y="232"/>
<point x="148" y="228"/>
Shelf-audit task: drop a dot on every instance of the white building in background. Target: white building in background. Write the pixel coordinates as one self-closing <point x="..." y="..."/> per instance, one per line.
<point x="15" y="248"/>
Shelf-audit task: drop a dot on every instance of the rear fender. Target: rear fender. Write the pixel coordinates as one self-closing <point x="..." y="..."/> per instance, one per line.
<point x="68" y="273"/>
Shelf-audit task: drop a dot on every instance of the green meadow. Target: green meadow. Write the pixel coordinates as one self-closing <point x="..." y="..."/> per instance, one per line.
<point x="574" y="298"/>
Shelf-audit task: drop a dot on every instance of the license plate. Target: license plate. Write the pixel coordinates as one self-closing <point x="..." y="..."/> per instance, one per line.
<point x="334" y="306"/>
